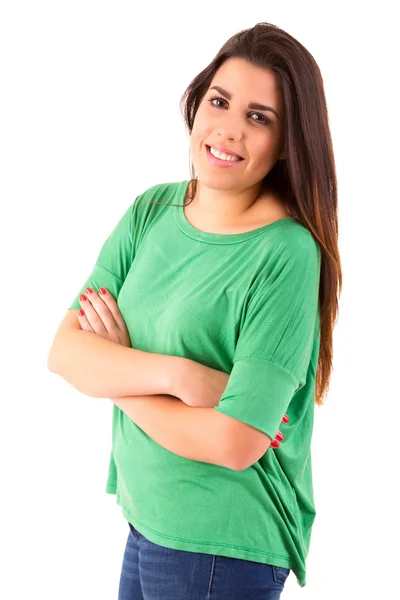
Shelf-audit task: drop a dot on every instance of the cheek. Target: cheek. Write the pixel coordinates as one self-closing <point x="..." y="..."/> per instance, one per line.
<point x="200" y="133"/>
<point x="263" y="150"/>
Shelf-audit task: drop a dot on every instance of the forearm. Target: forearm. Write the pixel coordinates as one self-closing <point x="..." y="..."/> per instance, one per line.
<point x="100" y="368"/>
<point x="193" y="433"/>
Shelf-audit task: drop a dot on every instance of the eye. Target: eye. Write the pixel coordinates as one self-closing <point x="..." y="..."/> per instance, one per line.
<point x="263" y="119"/>
<point x="211" y="100"/>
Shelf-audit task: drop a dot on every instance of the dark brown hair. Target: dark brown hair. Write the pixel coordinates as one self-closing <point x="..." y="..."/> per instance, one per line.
<point x="306" y="178"/>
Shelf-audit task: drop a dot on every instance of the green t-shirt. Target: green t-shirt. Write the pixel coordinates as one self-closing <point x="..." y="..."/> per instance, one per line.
<point x="245" y="304"/>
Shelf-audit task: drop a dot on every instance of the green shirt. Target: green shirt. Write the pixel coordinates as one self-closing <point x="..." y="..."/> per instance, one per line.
<point x="245" y="304"/>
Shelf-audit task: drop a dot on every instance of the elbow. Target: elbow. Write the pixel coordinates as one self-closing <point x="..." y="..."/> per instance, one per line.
<point x="225" y="461"/>
<point x="236" y="467"/>
<point x="238" y="464"/>
<point x="244" y="457"/>
<point x="244" y="463"/>
<point x="85" y="387"/>
<point x="53" y="357"/>
<point x="233" y="461"/>
<point x="51" y="363"/>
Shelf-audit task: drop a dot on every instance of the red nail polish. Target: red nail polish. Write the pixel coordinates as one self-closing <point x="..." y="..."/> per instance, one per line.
<point x="102" y="291"/>
<point x="285" y="419"/>
<point x="89" y="290"/>
<point x="80" y="313"/>
<point x="275" y="444"/>
<point x="280" y="437"/>
<point x="83" y="298"/>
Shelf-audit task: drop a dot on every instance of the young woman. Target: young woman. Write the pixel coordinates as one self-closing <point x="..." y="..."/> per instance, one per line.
<point x="213" y="302"/>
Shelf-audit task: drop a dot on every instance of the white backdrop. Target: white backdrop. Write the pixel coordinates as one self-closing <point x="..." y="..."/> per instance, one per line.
<point x="88" y="89"/>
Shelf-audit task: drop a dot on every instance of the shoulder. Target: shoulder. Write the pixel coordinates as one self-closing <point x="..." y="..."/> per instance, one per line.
<point x="301" y="242"/>
<point x="160" y="192"/>
<point x="154" y="202"/>
<point x="296" y="245"/>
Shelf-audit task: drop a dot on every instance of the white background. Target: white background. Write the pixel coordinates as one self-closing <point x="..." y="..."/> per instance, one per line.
<point x="89" y="119"/>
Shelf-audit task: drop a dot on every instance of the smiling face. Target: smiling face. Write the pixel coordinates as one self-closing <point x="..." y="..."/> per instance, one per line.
<point x="225" y="118"/>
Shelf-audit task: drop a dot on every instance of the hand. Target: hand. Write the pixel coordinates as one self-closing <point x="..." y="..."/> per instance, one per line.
<point x="202" y="387"/>
<point x="198" y="385"/>
<point x="279" y="437"/>
<point x="102" y="316"/>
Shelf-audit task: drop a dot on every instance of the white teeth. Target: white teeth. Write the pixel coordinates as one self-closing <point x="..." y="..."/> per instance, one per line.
<point x="223" y="156"/>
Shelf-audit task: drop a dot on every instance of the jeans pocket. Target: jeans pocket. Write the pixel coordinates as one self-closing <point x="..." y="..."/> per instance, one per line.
<point x="280" y="574"/>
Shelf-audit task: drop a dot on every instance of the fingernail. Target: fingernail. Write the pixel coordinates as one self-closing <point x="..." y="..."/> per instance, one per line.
<point x="89" y="291"/>
<point x="275" y="444"/>
<point x="279" y="436"/>
<point x="285" y="419"/>
<point x="82" y="298"/>
<point x="102" y="291"/>
<point x="80" y="313"/>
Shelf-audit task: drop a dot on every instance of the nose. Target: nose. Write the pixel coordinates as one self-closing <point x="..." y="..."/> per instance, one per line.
<point x="230" y="130"/>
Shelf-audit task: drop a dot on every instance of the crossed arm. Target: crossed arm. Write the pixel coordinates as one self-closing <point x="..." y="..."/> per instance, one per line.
<point x="148" y="389"/>
<point x="196" y="433"/>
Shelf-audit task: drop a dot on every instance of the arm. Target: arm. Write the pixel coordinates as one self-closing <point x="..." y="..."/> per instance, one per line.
<point x="200" y="434"/>
<point x="101" y="368"/>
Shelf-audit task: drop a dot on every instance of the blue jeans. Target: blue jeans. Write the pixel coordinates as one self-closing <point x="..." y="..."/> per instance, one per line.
<point x="152" y="572"/>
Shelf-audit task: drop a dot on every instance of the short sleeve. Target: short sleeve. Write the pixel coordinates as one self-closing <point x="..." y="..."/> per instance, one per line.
<point x="276" y="337"/>
<point x="114" y="259"/>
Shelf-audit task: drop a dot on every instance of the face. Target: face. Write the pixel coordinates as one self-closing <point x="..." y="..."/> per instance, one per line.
<point x="224" y="118"/>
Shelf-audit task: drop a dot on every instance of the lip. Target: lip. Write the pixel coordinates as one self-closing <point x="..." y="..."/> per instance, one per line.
<point x="221" y="164"/>
<point x="225" y="150"/>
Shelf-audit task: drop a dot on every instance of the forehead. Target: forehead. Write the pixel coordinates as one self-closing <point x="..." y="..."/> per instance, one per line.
<point x="247" y="81"/>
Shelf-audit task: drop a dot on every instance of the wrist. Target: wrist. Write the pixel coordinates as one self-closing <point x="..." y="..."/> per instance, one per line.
<point x="177" y="375"/>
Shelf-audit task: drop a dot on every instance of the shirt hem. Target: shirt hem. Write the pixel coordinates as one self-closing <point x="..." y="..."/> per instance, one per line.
<point x="216" y="549"/>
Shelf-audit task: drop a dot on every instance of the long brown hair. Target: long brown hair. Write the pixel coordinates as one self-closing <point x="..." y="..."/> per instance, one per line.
<point x="306" y="178"/>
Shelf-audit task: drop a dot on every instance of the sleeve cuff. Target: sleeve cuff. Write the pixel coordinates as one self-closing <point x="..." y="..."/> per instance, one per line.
<point x="258" y="393"/>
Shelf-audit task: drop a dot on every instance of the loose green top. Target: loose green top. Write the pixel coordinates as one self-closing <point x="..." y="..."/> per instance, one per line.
<point x="245" y="304"/>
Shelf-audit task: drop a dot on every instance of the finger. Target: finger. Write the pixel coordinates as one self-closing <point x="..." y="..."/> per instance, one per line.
<point x="112" y="306"/>
<point x="275" y="444"/>
<point x="83" y="322"/>
<point x="279" y="437"/>
<point x="105" y="307"/>
<point x="91" y="315"/>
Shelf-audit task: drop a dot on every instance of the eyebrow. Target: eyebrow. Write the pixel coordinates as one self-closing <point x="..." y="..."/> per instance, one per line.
<point x="251" y="105"/>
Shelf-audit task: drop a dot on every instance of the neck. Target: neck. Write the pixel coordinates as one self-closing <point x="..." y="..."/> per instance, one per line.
<point x="225" y="207"/>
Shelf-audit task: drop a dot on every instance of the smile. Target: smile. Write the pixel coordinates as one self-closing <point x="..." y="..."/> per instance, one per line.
<point x="226" y="162"/>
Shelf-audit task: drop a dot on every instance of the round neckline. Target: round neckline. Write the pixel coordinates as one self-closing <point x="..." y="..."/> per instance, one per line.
<point x="217" y="238"/>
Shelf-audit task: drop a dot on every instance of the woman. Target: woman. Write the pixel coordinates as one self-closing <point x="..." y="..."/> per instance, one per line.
<point x="240" y="284"/>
